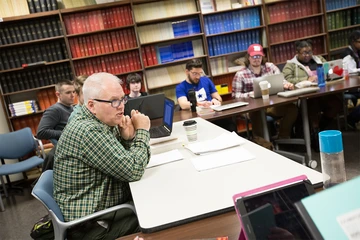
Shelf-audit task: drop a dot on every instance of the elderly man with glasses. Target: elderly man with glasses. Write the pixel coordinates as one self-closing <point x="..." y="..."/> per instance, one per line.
<point x="242" y="87"/>
<point x="99" y="152"/>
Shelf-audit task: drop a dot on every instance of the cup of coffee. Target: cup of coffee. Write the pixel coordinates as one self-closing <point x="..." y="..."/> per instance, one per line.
<point x="264" y="86"/>
<point x="191" y="130"/>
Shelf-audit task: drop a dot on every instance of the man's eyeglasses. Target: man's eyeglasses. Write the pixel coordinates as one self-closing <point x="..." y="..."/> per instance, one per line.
<point x="114" y="103"/>
<point x="256" y="57"/>
<point x="196" y="74"/>
<point x="307" y="53"/>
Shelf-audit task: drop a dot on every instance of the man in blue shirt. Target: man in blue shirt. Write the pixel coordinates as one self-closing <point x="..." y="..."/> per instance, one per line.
<point x="204" y="88"/>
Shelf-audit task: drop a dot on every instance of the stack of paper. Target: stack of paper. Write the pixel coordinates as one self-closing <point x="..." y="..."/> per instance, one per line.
<point x="163" y="158"/>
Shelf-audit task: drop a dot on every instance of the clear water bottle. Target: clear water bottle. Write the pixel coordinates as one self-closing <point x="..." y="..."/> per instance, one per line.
<point x="332" y="157"/>
<point x="320" y="75"/>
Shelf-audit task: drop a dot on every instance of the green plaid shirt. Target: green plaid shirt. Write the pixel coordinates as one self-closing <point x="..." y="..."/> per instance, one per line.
<point x="93" y="165"/>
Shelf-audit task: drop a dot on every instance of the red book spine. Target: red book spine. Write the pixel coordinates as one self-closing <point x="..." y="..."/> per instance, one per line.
<point x="97" y="65"/>
<point x="114" y="41"/>
<point x="67" y="22"/>
<point x="148" y="55"/>
<point x="86" y="22"/>
<point x="52" y="96"/>
<point x="100" y="20"/>
<point x="46" y="99"/>
<point x="73" y="24"/>
<point x="122" y="16"/>
<point x="104" y="19"/>
<point x="102" y="44"/>
<point x="131" y="59"/>
<point x="89" y="46"/>
<point x="126" y="38"/>
<point x="122" y="40"/>
<point x="40" y="100"/>
<point x="72" y="47"/>
<point x="143" y="56"/>
<point x="114" y="17"/>
<point x="103" y="65"/>
<point x="106" y="43"/>
<point x="153" y="54"/>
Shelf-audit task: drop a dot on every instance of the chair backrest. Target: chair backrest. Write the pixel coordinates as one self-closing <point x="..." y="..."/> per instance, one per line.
<point x="43" y="191"/>
<point x="17" y="144"/>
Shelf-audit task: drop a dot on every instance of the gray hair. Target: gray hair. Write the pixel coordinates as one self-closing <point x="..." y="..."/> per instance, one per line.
<point x="94" y="86"/>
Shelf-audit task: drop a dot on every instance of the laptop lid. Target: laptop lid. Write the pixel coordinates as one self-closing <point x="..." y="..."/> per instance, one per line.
<point x="268" y="208"/>
<point x="333" y="70"/>
<point x="168" y="118"/>
<point x="276" y="81"/>
<point x="150" y="105"/>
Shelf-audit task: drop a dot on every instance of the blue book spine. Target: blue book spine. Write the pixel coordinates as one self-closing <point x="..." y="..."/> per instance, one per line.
<point x="216" y="46"/>
<point x="189" y="49"/>
<point x="210" y="46"/>
<point x="206" y="23"/>
<point x="233" y="43"/>
<point x="166" y="54"/>
<point x="242" y="19"/>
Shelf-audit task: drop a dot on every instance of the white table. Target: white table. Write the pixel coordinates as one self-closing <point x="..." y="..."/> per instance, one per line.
<point x="175" y="193"/>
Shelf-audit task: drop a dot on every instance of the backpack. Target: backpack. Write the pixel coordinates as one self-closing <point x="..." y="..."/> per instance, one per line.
<point x="43" y="229"/>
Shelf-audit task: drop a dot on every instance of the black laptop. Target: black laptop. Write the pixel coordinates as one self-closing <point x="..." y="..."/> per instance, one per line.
<point x="165" y="129"/>
<point x="150" y="105"/>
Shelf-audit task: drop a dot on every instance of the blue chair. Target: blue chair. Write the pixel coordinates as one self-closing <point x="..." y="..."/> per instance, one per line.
<point x="43" y="191"/>
<point x="15" y="145"/>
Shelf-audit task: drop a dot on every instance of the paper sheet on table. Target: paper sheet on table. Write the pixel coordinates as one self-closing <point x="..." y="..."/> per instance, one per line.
<point x="154" y="141"/>
<point x="165" y="157"/>
<point x="224" y="141"/>
<point x="221" y="158"/>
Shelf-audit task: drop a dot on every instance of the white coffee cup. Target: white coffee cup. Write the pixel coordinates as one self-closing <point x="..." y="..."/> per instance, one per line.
<point x="265" y="86"/>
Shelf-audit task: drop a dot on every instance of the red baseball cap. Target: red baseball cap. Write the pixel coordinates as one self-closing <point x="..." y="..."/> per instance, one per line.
<point x="255" y="49"/>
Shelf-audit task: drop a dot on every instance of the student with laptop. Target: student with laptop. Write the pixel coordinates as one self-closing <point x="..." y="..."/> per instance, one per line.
<point x="242" y="87"/>
<point x="302" y="67"/>
<point x="205" y="92"/>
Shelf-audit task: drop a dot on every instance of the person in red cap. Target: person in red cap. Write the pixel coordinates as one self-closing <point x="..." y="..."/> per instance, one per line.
<point x="242" y="87"/>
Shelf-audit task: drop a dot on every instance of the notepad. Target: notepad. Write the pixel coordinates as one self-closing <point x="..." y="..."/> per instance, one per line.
<point x="224" y="141"/>
<point x="221" y="158"/>
<point x="165" y="157"/>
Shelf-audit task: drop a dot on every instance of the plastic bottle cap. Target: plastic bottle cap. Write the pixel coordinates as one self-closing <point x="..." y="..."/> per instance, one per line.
<point x="330" y="141"/>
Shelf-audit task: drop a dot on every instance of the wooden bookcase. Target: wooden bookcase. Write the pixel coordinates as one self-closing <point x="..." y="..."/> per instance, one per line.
<point x="156" y="38"/>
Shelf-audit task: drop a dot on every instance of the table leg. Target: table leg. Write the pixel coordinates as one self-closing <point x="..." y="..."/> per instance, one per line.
<point x="304" y="112"/>
<point x="265" y="126"/>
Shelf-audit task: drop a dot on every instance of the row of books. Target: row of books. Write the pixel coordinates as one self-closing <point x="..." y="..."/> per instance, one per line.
<point x="148" y="54"/>
<point x="337" y="39"/>
<point x="342" y="19"/>
<point x="34" y="78"/>
<point x="42" y="5"/>
<point x="178" y="51"/>
<point x="115" y="64"/>
<point x="186" y="27"/>
<point x="230" y="43"/>
<point x="295" y="29"/>
<point x="23" y="108"/>
<point x="237" y="20"/>
<point x="31" y="121"/>
<point x="208" y="6"/>
<point x="282" y="53"/>
<point x="102" y="43"/>
<point x="9" y="8"/>
<point x="30" y="30"/>
<point x="47" y="51"/>
<point x="292" y="9"/>
<point x="46" y="98"/>
<point x="98" y="20"/>
<point x="163" y="9"/>
<point x="335" y="4"/>
<point x="165" y="76"/>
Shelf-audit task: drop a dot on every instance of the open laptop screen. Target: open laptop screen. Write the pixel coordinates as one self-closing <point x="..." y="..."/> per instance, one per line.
<point x="168" y="113"/>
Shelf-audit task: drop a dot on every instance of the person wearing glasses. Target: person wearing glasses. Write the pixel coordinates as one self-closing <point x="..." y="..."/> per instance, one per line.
<point x="205" y="91"/>
<point x="242" y="87"/>
<point x="303" y="68"/>
<point x="99" y="152"/>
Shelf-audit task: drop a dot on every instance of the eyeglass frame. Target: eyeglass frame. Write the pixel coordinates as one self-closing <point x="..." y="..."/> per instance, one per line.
<point x="310" y="53"/>
<point x="195" y="74"/>
<point x="256" y="56"/>
<point x="112" y="102"/>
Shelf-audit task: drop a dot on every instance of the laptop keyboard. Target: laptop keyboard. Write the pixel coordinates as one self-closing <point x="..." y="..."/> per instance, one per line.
<point x="158" y="132"/>
<point x="298" y="92"/>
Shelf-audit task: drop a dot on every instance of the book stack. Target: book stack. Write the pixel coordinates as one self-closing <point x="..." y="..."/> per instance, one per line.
<point x="149" y="57"/>
<point x="46" y="98"/>
<point x="186" y="27"/>
<point x="335" y="4"/>
<point x="23" y="108"/>
<point x="102" y="43"/>
<point x="42" y="5"/>
<point x="344" y="18"/>
<point x="337" y="39"/>
<point x="98" y="20"/>
<point x="236" y="20"/>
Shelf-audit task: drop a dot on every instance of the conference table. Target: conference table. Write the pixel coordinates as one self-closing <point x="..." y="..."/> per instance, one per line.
<point x="175" y="198"/>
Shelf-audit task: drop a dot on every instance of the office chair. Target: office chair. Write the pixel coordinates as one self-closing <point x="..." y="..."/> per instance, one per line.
<point x="43" y="191"/>
<point x="15" y="145"/>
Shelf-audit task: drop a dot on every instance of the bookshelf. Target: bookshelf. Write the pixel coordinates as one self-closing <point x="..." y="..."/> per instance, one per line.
<point x="35" y="38"/>
<point x="156" y="38"/>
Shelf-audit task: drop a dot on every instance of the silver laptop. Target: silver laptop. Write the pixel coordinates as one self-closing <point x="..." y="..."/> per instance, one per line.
<point x="276" y="81"/>
<point x="333" y="70"/>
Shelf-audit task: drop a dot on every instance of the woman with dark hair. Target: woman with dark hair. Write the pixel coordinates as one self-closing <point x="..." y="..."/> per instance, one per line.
<point x="303" y="65"/>
<point x="133" y="83"/>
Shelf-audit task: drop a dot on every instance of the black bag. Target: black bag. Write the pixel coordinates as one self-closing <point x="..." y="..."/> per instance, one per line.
<point x="43" y="229"/>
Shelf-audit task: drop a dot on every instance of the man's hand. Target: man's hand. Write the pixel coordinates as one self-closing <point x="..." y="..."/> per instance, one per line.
<point x="139" y="120"/>
<point x="204" y="104"/>
<point x="214" y="101"/>
<point x="313" y="78"/>
<point x="289" y="86"/>
<point x="127" y="128"/>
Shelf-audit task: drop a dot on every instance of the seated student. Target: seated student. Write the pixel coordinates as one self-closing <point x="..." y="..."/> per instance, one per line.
<point x="98" y="154"/>
<point x="351" y="60"/>
<point x="206" y="93"/>
<point x="242" y="86"/>
<point x="133" y="83"/>
<point x="303" y="68"/>
<point x="55" y="118"/>
<point x="78" y="84"/>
